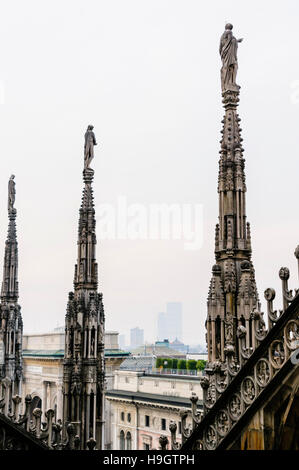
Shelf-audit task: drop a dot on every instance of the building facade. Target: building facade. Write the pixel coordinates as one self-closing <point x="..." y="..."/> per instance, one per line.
<point x="144" y="405"/>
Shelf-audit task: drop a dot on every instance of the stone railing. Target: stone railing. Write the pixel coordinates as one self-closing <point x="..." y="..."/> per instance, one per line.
<point x="233" y="391"/>
<point x="48" y="433"/>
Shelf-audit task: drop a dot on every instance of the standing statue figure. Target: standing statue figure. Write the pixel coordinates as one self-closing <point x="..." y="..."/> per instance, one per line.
<point x="228" y="52"/>
<point x="90" y="141"/>
<point x="229" y="326"/>
<point x="11" y="192"/>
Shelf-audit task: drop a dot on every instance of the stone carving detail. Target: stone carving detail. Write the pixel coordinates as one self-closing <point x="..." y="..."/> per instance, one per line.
<point x="248" y="390"/>
<point x="163" y="441"/>
<point x="222" y="422"/>
<point x="228" y="52"/>
<point x="89" y="143"/>
<point x="235" y="407"/>
<point x="263" y="373"/>
<point x="211" y="438"/>
<point x="235" y="323"/>
<point x="229" y="276"/>
<point x="210" y="396"/>
<point x="47" y="434"/>
<point x="11" y="193"/>
<point x="292" y="334"/>
<point x="173" y="428"/>
<point x="84" y="364"/>
<point x="277" y="354"/>
<point x="11" y="324"/>
<point x="229" y="328"/>
<point x="210" y="432"/>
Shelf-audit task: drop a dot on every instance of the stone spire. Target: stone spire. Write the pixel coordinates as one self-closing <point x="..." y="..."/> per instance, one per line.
<point x="233" y="298"/>
<point x="84" y="369"/>
<point x="11" y="325"/>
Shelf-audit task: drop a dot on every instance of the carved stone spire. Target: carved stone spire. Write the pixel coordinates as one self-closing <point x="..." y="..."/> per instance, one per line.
<point x="86" y="269"/>
<point x="233" y="277"/>
<point x="84" y="368"/>
<point x="11" y="325"/>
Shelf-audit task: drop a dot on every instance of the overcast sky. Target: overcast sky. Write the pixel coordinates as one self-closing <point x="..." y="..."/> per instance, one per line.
<point x="146" y="74"/>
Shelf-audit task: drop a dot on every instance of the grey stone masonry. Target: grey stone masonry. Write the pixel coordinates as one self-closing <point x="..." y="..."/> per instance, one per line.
<point x="84" y="366"/>
<point x="11" y="325"/>
<point x="233" y="303"/>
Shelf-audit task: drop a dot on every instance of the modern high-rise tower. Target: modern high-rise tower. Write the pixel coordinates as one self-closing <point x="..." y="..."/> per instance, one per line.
<point x="84" y="367"/>
<point x="170" y="322"/>
<point x="136" y="337"/>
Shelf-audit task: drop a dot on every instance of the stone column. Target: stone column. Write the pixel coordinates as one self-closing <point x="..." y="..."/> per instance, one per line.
<point x="87" y="419"/>
<point x="94" y="415"/>
<point x="213" y="340"/>
<point x="222" y="341"/>
<point x="44" y="400"/>
<point x="59" y="400"/>
<point x="48" y="406"/>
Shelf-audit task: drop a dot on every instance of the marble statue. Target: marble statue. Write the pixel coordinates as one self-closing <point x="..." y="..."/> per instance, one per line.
<point x="228" y="52"/>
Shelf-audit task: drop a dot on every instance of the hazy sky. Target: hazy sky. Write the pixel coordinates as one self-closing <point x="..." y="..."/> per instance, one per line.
<point x="146" y="74"/>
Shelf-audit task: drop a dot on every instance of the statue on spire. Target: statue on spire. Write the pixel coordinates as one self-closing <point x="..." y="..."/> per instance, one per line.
<point x="90" y="141"/>
<point x="228" y="52"/>
<point x="11" y="193"/>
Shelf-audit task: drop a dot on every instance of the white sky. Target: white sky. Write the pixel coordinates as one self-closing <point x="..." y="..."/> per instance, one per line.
<point x="146" y="73"/>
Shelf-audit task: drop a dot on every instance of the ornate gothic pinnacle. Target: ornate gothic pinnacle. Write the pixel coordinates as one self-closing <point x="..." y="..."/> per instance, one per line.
<point x="9" y="291"/>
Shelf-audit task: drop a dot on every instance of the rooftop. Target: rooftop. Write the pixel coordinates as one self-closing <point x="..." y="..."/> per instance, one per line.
<point x="152" y="398"/>
<point x="60" y="353"/>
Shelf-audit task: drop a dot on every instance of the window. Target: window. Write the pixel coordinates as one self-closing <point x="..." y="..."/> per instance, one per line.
<point x="147" y="420"/>
<point x="180" y="427"/>
<point x="129" y="441"/>
<point x="163" y="424"/>
<point x="146" y="446"/>
<point x="129" y="417"/>
<point x="122" y="416"/>
<point x="122" y="440"/>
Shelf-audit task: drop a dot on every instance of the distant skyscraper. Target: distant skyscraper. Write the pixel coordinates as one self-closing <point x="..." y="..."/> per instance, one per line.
<point x="122" y="341"/>
<point x="136" y="337"/>
<point x="162" y="326"/>
<point x="170" y="323"/>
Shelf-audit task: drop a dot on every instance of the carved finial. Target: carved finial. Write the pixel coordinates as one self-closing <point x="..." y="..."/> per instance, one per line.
<point x="228" y="52"/>
<point x="284" y="274"/>
<point x="90" y="141"/>
<point x="163" y="441"/>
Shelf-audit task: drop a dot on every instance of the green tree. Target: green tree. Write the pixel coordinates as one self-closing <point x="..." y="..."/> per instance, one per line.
<point x="191" y="364"/>
<point x="182" y="364"/>
<point x="166" y="363"/>
<point x="174" y="363"/>
<point x="201" y="364"/>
